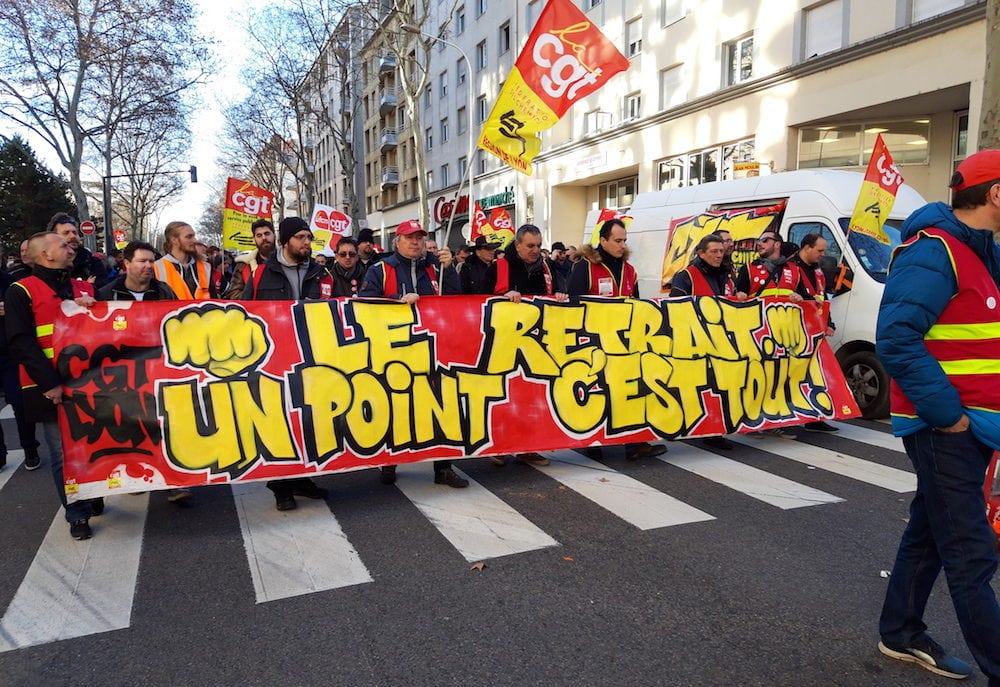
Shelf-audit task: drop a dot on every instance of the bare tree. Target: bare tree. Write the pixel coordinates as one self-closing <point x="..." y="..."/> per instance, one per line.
<point x="989" y="121"/>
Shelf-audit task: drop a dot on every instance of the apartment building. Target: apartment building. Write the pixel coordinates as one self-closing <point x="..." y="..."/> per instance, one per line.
<point x="716" y="89"/>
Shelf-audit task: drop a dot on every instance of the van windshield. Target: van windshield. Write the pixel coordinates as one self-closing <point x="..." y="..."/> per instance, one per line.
<point x="873" y="255"/>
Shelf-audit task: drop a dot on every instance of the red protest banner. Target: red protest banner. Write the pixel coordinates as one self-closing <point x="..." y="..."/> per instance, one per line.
<point x="245" y="203"/>
<point x="164" y="394"/>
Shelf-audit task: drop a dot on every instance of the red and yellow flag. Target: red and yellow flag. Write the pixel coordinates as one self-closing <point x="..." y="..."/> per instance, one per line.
<point x="565" y="59"/>
<point x="606" y="214"/>
<point x="878" y="194"/>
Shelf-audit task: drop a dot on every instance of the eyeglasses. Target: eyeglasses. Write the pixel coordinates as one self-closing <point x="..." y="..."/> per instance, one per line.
<point x="766" y="240"/>
<point x="352" y="254"/>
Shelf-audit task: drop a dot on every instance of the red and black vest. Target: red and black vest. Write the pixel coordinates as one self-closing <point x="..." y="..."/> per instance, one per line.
<point x="45" y="303"/>
<point x="390" y="284"/>
<point x="765" y="283"/>
<point x="503" y="277"/>
<point x="700" y="286"/>
<point x="819" y="292"/>
<point x="604" y="283"/>
<point x="965" y="340"/>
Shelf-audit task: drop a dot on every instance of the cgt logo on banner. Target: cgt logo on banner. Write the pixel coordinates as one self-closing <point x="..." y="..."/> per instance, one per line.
<point x="162" y="394"/>
<point x="328" y="225"/>
<point x="245" y="204"/>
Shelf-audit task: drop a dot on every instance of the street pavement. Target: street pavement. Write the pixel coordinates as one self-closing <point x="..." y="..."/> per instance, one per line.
<point x="764" y="565"/>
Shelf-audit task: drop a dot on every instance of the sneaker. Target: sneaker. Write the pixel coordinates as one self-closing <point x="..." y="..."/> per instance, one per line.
<point x="928" y="654"/>
<point x="97" y="506"/>
<point x="451" y="478"/>
<point x="285" y="502"/>
<point x="31" y="460"/>
<point x="820" y="426"/>
<point x="499" y="461"/>
<point x="308" y="489"/>
<point x="719" y="442"/>
<point x="645" y="450"/>
<point x="80" y="529"/>
<point x="532" y="459"/>
<point x="388" y="475"/>
<point x="179" y="497"/>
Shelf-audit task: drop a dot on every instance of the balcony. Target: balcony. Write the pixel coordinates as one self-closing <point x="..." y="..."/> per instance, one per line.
<point x="386" y="62"/>
<point x="390" y="177"/>
<point x="390" y="139"/>
<point x="387" y="102"/>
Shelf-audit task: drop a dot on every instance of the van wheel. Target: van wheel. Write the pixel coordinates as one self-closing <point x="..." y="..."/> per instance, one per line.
<point x="869" y="382"/>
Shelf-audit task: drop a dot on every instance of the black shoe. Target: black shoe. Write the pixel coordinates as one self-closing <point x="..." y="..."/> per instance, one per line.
<point x="3" y="461"/>
<point x="451" y="478"/>
<point x="179" y="497"/>
<point x="927" y="653"/>
<point x="97" y="506"/>
<point x="31" y="460"/>
<point x="593" y="453"/>
<point x="820" y="426"/>
<point x="285" y="502"/>
<point x="308" y="489"/>
<point x="388" y="475"/>
<point x="719" y="443"/>
<point x="645" y="450"/>
<point x="80" y="529"/>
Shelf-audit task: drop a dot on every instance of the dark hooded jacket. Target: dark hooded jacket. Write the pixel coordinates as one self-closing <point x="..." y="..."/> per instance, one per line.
<point x="528" y="280"/>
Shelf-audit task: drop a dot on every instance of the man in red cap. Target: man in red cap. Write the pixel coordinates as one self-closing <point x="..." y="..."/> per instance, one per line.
<point x="937" y="336"/>
<point x="406" y="275"/>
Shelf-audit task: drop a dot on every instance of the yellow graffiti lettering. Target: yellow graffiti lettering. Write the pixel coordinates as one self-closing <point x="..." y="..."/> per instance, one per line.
<point x="368" y="415"/>
<point x="730" y="376"/>
<point x="436" y="409"/>
<point x="690" y="377"/>
<point x="562" y="323"/>
<point x="798" y="371"/>
<point x="193" y="442"/>
<point x="326" y="395"/>
<point x="664" y="412"/>
<point x="694" y="337"/>
<point x="608" y="320"/>
<point x="389" y="328"/>
<point x="511" y="325"/>
<point x="741" y="321"/>
<point x="577" y="404"/>
<point x="712" y="316"/>
<point x="644" y="332"/>
<point x="323" y="333"/>
<point x="787" y="328"/>
<point x="261" y="418"/>
<point x="622" y="375"/>
<point x="400" y="381"/>
<point x="480" y="391"/>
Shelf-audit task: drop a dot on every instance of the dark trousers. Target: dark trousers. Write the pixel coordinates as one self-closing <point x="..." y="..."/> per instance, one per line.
<point x="77" y="510"/>
<point x="12" y="393"/>
<point x="947" y="529"/>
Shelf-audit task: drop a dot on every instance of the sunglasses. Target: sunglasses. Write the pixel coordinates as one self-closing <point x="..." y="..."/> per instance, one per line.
<point x="352" y="254"/>
<point x="766" y="240"/>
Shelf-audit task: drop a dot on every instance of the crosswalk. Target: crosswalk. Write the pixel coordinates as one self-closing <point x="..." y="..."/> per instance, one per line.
<point x="73" y="589"/>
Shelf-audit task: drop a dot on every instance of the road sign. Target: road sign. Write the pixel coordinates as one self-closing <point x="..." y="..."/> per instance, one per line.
<point x="87" y="228"/>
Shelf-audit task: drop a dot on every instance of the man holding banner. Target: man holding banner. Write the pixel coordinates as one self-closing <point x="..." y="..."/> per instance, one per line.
<point x="937" y="336"/>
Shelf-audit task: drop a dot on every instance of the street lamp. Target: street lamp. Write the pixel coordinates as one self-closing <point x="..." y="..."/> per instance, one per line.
<point x="411" y="28"/>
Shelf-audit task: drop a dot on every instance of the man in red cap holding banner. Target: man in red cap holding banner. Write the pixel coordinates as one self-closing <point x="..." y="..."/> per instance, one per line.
<point x="937" y="336"/>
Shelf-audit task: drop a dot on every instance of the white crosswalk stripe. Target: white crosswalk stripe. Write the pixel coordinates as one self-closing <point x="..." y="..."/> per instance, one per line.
<point x="14" y="460"/>
<point x="755" y="483"/>
<point x="868" y="436"/>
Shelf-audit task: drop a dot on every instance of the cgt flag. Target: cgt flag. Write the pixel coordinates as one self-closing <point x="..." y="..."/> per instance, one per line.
<point x="878" y="194"/>
<point x="245" y="204"/>
<point x="606" y="214"/>
<point x="565" y="59"/>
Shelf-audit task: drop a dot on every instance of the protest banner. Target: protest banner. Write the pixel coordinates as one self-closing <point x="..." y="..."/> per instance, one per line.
<point x="178" y="394"/>
<point x="877" y="195"/>
<point x="328" y="225"/>
<point x="245" y="204"/>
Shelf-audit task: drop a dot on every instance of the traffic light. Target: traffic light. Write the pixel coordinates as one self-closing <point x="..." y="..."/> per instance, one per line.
<point x="193" y="171"/>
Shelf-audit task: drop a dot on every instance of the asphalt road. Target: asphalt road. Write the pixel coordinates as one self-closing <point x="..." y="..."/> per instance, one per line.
<point x="380" y="585"/>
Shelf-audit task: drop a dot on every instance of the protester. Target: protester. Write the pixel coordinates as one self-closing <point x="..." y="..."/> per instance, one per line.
<point x="86" y="266"/>
<point x="188" y="275"/>
<point x="12" y="392"/>
<point x="407" y="274"/>
<point x="558" y="260"/>
<point x="31" y="306"/>
<point x="347" y="272"/>
<point x="769" y="274"/>
<point x="248" y="263"/>
<point x="21" y="268"/>
<point x="367" y="255"/>
<point x="935" y="337"/>
<point x="473" y="274"/>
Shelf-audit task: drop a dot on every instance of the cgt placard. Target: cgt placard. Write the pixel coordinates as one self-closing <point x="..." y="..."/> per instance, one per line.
<point x="169" y="394"/>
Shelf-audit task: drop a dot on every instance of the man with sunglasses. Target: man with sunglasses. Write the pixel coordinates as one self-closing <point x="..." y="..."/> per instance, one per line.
<point x="347" y="271"/>
<point x="769" y="274"/>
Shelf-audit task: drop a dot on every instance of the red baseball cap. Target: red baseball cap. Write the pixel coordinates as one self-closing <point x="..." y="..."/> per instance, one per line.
<point x="976" y="169"/>
<point x="410" y="226"/>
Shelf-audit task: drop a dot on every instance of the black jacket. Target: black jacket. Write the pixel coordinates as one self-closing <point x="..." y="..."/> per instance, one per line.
<point x="526" y="280"/>
<point x="116" y="291"/>
<point x="86" y="265"/>
<point x="274" y="284"/>
<point x="346" y="282"/>
<point x="473" y="275"/>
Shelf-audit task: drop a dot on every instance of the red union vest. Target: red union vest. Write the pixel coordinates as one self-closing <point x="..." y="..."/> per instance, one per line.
<point x="45" y="305"/>
<point x="503" y="277"/>
<point x="172" y="276"/>
<point x="819" y="293"/>
<point x="965" y="340"/>
<point x="700" y="286"/>
<point x="763" y="283"/>
<point x="390" y="284"/>
<point x="603" y="282"/>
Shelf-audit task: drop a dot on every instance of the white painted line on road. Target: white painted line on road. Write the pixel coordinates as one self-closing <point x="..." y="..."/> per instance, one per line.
<point x="476" y="522"/>
<point x="868" y="436"/>
<point x="78" y="588"/>
<point x="755" y="483"/>
<point x="867" y="471"/>
<point x="7" y="413"/>
<point x="295" y="552"/>
<point x="14" y="460"/>
<point x="628" y="498"/>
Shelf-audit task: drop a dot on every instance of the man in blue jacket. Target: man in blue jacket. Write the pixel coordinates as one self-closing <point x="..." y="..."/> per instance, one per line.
<point x="939" y="340"/>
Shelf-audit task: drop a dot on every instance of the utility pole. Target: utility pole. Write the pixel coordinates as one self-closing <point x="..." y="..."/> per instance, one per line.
<point x="989" y="117"/>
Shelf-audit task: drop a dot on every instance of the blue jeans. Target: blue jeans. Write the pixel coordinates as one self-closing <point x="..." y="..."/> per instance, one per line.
<point x="947" y="529"/>
<point x="78" y="510"/>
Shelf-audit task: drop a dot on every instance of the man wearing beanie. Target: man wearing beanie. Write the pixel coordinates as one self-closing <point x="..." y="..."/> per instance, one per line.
<point x="290" y="274"/>
<point x="366" y="248"/>
<point x="936" y="335"/>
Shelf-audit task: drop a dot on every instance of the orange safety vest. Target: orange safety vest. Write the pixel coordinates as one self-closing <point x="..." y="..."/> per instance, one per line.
<point x="965" y="340"/>
<point x="168" y="272"/>
<point x="45" y="303"/>
<point x="503" y="277"/>
<point x="602" y="276"/>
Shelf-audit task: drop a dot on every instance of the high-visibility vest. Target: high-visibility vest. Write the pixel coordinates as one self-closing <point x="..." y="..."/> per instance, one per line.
<point x="601" y="275"/>
<point x="700" y="286"/>
<point x="503" y="277"/>
<point x="168" y="272"/>
<point x="764" y="283"/>
<point x="965" y="340"/>
<point x="45" y="303"/>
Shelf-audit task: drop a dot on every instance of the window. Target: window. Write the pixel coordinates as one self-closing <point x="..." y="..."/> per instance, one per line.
<point x="671" y="90"/>
<point x="444" y="129"/>
<point x="504" y="37"/>
<point x="593" y="120"/>
<point x="632" y="106"/>
<point x="633" y="37"/>
<point x="443" y="84"/>
<point x="703" y="166"/>
<point x="850" y="145"/>
<point x="463" y="164"/>
<point x="401" y="118"/>
<point x="822" y="29"/>
<point x="739" y="60"/>
<point x="961" y="137"/>
<point x="925" y="9"/>
<point x="427" y="96"/>
<point x="461" y="69"/>
<point x="619" y="193"/>
<point x="482" y="59"/>
<point x="463" y="120"/>
<point x="481" y="109"/>
<point x="428" y="138"/>
<point x="444" y="175"/>
<point x="671" y="11"/>
<point x="590" y="4"/>
<point x="480" y="7"/>
<point x="531" y="13"/>
<point x="430" y="180"/>
<point x="460" y="20"/>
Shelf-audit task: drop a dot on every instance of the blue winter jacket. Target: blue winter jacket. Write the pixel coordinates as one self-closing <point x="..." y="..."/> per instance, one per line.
<point x="920" y="284"/>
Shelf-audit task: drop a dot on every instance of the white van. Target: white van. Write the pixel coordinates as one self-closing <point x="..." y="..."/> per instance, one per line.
<point x="666" y="225"/>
